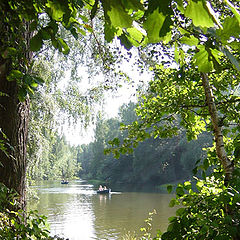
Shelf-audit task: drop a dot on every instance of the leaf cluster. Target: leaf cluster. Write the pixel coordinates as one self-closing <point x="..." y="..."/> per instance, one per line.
<point x="15" y="223"/>
<point x="202" y="214"/>
<point x="27" y="27"/>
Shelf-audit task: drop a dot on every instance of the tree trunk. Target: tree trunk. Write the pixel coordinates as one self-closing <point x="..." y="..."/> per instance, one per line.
<point x="13" y="122"/>
<point x="228" y="166"/>
<point x="14" y="114"/>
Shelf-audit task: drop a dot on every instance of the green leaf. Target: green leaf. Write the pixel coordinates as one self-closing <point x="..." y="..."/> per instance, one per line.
<point x="180" y="211"/>
<point x="135" y="34"/>
<point x="206" y="164"/>
<point x="172" y="219"/>
<point x="198" y="12"/>
<point x="64" y="45"/>
<point x="84" y="18"/>
<point x="202" y="60"/>
<point x="233" y="60"/>
<point x="94" y="9"/>
<point x="134" y="5"/>
<point x="191" y="40"/>
<point x="46" y="33"/>
<point x="180" y="6"/>
<point x="55" y="43"/>
<point x="180" y="191"/>
<point x="22" y="94"/>
<point x="237" y="151"/>
<point x="14" y="75"/>
<point x="172" y="202"/>
<point x="187" y="185"/>
<point x="118" y="16"/>
<point x="230" y="28"/>
<point x="116" y="154"/>
<point x="109" y="32"/>
<point x="38" y="80"/>
<point x="234" y="10"/>
<point x="123" y="150"/>
<point x="116" y="142"/>
<point x="199" y="185"/>
<point x="125" y="42"/>
<point x="33" y="26"/>
<point x="74" y="32"/>
<point x="53" y="26"/>
<point x="36" y="42"/>
<point x="169" y="188"/>
<point x="57" y="9"/>
<point x="10" y="51"/>
<point x="154" y="25"/>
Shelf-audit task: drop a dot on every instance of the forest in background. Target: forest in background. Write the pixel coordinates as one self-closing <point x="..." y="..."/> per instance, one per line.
<point x="153" y="162"/>
<point x="161" y="160"/>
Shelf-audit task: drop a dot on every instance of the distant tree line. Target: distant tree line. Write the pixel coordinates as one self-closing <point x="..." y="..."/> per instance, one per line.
<point x="153" y="162"/>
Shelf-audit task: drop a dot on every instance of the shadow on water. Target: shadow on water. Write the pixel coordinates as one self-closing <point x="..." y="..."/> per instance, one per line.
<point x="76" y="211"/>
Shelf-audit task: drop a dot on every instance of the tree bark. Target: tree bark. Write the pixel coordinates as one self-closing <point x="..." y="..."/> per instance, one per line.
<point x="228" y="165"/>
<point x="14" y="115"/>
<point x="14" y="123"/>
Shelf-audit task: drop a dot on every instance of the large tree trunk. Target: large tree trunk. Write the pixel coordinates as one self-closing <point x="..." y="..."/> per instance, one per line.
<point x="14" y="114"/>
<point x="13" y="123"/>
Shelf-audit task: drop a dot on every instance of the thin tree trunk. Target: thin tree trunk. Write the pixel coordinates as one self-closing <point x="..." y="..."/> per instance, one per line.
<point x="228" y="166"/>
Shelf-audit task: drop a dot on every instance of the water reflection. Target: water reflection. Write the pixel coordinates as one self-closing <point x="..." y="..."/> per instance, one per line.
<point x="77" y="212"/>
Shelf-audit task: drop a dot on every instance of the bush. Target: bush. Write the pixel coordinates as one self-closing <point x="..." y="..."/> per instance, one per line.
<point x="16" y="224"/>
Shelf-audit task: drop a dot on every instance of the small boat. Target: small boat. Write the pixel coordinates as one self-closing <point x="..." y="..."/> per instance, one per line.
<point x="64" y="182"/>
<point x="104" y="191"/>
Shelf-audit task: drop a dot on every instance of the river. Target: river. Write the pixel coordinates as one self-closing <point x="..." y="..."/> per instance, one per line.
<point x="75" y="210"/>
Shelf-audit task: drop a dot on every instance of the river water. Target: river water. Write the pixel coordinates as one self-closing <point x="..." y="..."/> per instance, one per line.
<point x="77" y="212"/>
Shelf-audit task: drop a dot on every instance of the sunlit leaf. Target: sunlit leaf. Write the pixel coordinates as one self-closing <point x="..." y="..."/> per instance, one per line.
<point x="57" y="9"/>
<point x="191" y="40"/>
<point x="135" y="34"/>
<point x="14" y="75"/>
<point x="234" y="10"/>
<point x="198" y="12"/>
<point x="64" y="46"/>
<point x="117" y="14"/>
<point x="202" y="60"/>
<point x="153" y="25"/>
<point x="231" y="28"/>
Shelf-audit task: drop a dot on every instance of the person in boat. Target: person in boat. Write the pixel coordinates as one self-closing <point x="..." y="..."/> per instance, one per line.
<point x="100" y="188"/>
<point x="105" y="188"/>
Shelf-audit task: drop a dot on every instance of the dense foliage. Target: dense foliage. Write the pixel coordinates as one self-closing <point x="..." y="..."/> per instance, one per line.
<point x="14" y="224"/>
